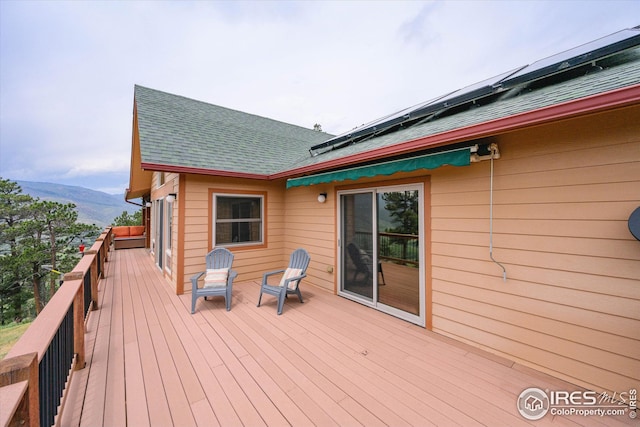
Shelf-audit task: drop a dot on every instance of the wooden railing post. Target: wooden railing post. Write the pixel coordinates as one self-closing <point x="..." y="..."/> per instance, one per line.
<point x="78" y="319"/>
<point x="105" y="239"/>
<point x="100" y="253"/>
<point x="15" y="370"/>
<point x="108" y="239"/>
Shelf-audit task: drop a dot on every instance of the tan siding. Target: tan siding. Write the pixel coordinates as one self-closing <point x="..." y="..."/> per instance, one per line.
<point x="606" y="267"/>
<point x="545" y="302"/>
<point x="250" y="263"/>
<point x="160" y="189"/>
<point x="579" y="245"/>
<point x="613" y="230"/>
<point x="311" y="225"/>
<point x="562" y="196"/>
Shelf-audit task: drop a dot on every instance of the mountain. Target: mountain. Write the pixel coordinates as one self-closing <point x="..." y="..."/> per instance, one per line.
<point x="94" y="207"/>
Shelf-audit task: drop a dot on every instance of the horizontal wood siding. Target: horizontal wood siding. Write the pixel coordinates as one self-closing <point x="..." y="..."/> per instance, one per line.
<point x="249" y="263"/>
<point x="311" y="225"/>
<point x="163" y="184"/>
<point x="562" y="197"/>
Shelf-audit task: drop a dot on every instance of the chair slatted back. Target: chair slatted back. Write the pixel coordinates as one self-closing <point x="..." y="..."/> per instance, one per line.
<point x="299" y="259"/>
<point x="219" y="258"/>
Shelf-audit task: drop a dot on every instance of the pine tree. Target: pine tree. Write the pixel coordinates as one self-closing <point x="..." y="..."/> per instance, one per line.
<point x="34" y="234"/>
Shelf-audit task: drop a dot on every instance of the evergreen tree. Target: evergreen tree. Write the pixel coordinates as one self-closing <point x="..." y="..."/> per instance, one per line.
<point x="14" y="209"/>
<point x="127" y="219"/>
<point x="35" y="233"/>
<point x="403" y="208"/>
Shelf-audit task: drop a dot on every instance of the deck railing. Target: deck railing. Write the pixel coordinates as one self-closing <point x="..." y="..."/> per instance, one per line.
<point x="35" y="373"/>
<point x="397" y="247"/>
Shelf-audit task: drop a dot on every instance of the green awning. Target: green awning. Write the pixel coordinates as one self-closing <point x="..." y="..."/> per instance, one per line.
<point x="459" y="157"/>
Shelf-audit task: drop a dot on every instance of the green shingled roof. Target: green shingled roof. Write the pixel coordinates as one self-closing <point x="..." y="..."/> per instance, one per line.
<point x="181" y="132"/>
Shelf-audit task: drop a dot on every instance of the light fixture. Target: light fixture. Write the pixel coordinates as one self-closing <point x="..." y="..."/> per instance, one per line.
<point x="171" y="198"/>
<point x="322" y="197"/>
<point x="148" y="204"/>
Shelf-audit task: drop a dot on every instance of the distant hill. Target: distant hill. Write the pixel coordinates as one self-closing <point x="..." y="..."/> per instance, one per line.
<point x="94" y="207"/>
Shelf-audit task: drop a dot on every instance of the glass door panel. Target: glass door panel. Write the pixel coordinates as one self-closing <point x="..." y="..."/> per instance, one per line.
<point x="399" y="250"/>
<point x="357" y="245"/>
<point x="380" y="253"/>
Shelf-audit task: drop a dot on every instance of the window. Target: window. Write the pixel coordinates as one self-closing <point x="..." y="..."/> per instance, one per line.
<point x="239" y="220"/>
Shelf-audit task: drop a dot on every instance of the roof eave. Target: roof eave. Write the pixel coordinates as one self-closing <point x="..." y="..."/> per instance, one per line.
<point x="617" y="98"/>
<point x="159" y="167"/>
<point x="139" y="179"/>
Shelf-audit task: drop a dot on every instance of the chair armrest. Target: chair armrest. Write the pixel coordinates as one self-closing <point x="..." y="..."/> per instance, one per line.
<point x="271" y="273"/>
<point x="293" y="279"/>
<point x="194" y="279"/>
<point x="232" y="275"/>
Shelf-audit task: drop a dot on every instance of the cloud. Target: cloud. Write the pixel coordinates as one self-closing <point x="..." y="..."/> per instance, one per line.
<point x="420" y="28"/>
<point x="67" y="69"/>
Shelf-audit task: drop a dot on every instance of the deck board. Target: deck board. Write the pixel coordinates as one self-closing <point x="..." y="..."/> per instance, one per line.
<point x="137" y="409"/>
<point x="157" y="406"/>
<point x="114" y="405"/>
<point x="328" y="361"/>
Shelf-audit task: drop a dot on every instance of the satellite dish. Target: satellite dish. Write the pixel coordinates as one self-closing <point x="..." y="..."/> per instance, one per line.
<point x="634" y="223"/>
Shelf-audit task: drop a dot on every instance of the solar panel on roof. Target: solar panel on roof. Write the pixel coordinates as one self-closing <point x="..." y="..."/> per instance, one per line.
<point x="567" y="60"/>
<point x="371" y="127"/>
<point x="422" y="110"/>
<point x="575" y="57"/>
<point x="469" y="93"/>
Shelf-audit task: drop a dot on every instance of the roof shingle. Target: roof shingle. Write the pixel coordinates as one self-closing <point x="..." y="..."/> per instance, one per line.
<point x="181" y="132"/>
<point x="178" y="131"/>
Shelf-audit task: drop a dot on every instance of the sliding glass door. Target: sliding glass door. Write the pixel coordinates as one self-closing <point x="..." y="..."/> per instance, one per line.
<point x="380" y="251"/>
<point x="357" y="278"/>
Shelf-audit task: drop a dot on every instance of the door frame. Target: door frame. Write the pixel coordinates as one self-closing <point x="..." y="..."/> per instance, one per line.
<point x="423" y="187"/>
<point x="162" y="234"/>
<point x="159" y="232"/>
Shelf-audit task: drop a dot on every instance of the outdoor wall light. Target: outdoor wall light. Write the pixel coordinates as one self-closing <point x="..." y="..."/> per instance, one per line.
<point x="171" y="198"/>
<point x="148" y="204"/>
<point x="322" y="197"/>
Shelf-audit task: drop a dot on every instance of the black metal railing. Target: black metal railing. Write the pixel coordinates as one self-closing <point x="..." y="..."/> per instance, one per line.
<point x="87" y="293"/>
<point x="100" y="261"/>
<point x="397" y="247"/>
<point x="54" y="343"/>
<point x="54" y="369"/>
<point x="403" y="248"/>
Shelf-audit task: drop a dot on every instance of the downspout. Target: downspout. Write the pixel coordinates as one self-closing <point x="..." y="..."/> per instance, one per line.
<point x="129" y="201"/>
<point x="494" y="153"/>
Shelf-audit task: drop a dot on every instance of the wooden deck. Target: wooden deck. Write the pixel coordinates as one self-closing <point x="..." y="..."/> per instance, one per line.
<point x="326" y="362"/>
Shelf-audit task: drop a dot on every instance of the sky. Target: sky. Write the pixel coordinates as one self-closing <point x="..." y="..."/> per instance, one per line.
<point x="68" y="68"/>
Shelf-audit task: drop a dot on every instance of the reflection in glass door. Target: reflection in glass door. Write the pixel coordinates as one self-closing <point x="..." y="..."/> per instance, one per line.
<point x="399" y="250"/>
<point x="380" y="251"/>
<point x="357" y="239"/>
